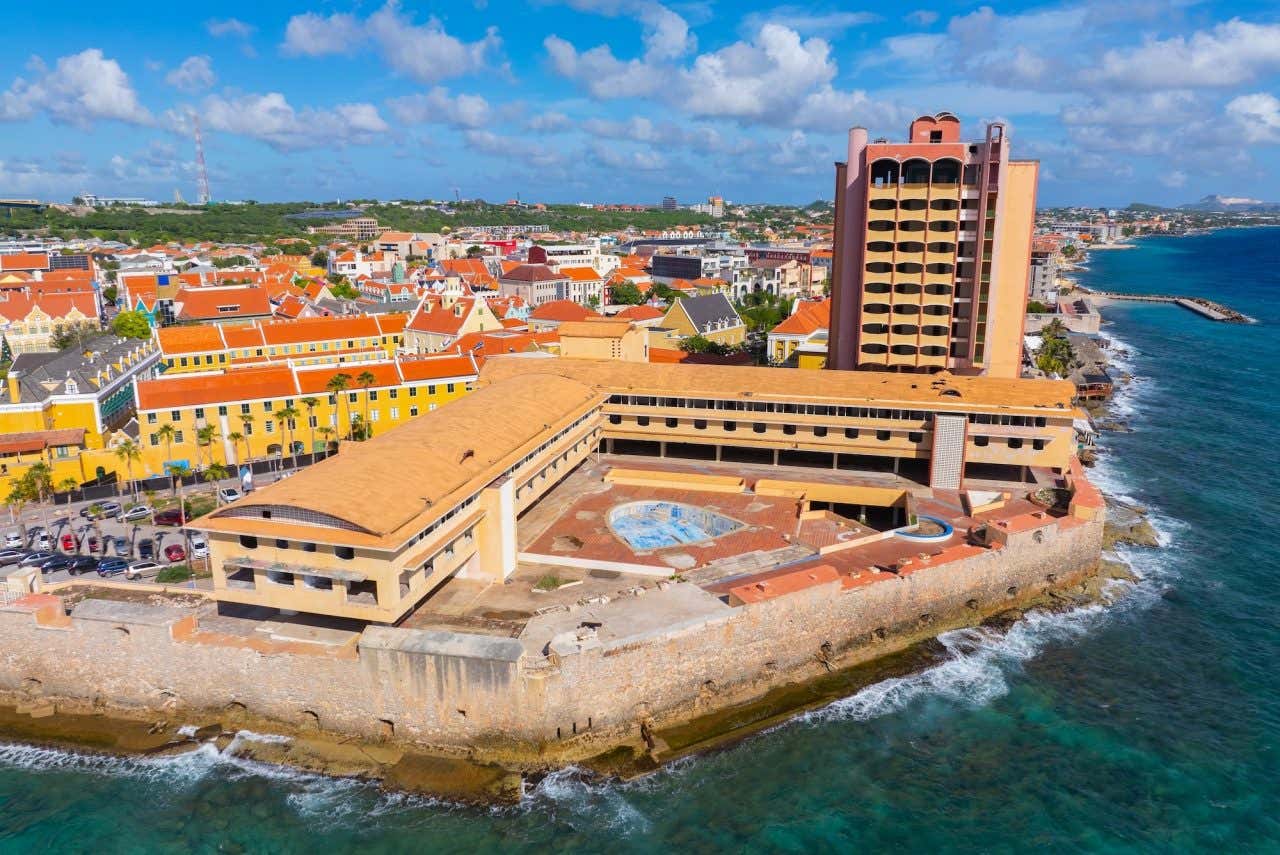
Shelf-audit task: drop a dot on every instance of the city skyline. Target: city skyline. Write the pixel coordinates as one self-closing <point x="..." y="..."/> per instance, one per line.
<point x="631" y="101"/>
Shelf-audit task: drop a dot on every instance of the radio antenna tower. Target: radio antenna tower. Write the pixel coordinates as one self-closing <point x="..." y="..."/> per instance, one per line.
<point x="202" y="175"/>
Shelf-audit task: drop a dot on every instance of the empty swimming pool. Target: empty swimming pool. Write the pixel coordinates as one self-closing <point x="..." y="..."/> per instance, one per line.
<point x="657" y="525"/>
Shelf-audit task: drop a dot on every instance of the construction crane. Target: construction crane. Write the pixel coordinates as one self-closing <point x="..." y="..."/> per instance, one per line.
<point x="202" y="175"/>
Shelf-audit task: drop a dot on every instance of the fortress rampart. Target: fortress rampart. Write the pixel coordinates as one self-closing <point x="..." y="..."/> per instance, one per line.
<point x="466" y="691"/>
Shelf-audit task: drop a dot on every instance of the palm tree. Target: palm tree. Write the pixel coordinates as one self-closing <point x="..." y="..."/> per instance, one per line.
<point x="16" y="500"/>
<point x="68" y="484"/>
<point x="166" y="432"/>
<point x="288" y="416"/>
<point x="129" y="453"/>
<point x="310" y="404"/>
<point x="246" y="421"/>
<point x="366" y="379"/>
<point x="181" y="471"/>
<point x="326" y="432"/>
<point x="215" y="473"/>
<point x="204" y="439"/>
<point x="337" y="385"/>
<point x="235" y="436"/>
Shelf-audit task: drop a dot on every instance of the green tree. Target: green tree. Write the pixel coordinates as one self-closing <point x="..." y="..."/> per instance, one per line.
<point x="287" y="417"/>
<point x="475" y="251"/>
<point x="215" y="472"/>
<point x="1035" y="307"/>
<point x="366" y="379"/>
<point x="132" y="324"/>
<point x="337" y="387"/>
<point x="342" y="289"/>
<point x="320" y="258"/>
<point x="310" y="403"/>
<point x="325" y="433"/>
<point x="205" y="436"/>
<point x="129" y="453"/>
<point x="625" y="294"/>
<point x="68" y="485"/>
<point x="167" y="432"/>
<point x="67" y="336"/>
<point x="702" y="344"/>
<point x="109" y="294"/>
<point x="235" y="436"/>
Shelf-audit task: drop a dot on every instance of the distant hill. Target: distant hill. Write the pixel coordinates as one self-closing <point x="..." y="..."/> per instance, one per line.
<point x="1144" y="208"/>
<point x="1231" y="204"/>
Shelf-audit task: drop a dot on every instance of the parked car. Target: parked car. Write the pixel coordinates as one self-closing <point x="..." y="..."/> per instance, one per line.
<point x="35" y="558"/>
<point x="12" y="556"/>
<point x="57" y="562"/>
<point x="122" y="545"/>
<point x="112" y="566"/>
<point x="138" y="569"/>
<point x="41" y="540"/>
<point x="228" y="494"/>
<point x="93" y="543"/>
<point x="171" y="516"/>
<point x="137" y="512"/>
<point x="13" y="540"/>
<point x="199" y="546"/>
<point x="81" y="564"/>
<point x="174" y="552"/>
<point x="146" y="548"/>
<point x="101" y="510"/>
<point x="68" y="541"/>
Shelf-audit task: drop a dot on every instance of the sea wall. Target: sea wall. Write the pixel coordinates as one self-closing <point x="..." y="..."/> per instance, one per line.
<point x="457" y="690"/>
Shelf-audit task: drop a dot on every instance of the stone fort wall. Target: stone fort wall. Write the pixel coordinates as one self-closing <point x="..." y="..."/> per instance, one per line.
<point x="451" y="689"/>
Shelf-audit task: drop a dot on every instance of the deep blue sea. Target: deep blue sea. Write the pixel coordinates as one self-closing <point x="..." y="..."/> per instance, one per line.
<point x="1150" y="726"/>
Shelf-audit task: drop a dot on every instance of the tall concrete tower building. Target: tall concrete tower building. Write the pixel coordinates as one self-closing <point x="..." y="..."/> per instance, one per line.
<point x="932" y="252"/>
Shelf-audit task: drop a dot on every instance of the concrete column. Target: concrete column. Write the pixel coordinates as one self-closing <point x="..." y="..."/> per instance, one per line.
<point x="496" y="534"/>
<point x="719" y="449"/>
<point x="775" y="457"/>
<point x="662" y="449"/>
<point x="895" y="465"/>
<point x="835" y="461"/>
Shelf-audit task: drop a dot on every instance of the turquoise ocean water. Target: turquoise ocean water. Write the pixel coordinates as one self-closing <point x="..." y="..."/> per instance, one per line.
<point x="1151" y="726"/>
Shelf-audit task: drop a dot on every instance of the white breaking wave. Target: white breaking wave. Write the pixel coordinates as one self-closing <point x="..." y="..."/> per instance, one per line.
<point x="974" y="672"/>
<point x="574" y="791"/>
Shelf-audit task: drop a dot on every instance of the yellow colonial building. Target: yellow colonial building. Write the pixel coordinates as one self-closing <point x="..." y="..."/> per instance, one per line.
<point x="282" y="409"/>
<point x="306" y="341"/>
<point x="63" y="408"/>
<point x="712" y="317"/>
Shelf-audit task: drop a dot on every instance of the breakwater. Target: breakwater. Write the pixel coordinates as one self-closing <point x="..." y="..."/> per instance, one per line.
<point x="1207" y="308"/>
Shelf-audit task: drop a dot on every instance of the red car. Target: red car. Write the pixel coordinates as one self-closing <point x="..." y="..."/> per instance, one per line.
<point x="172" y="516"/>
<point x="68" y="543"/>
<point x="174" y="552"/>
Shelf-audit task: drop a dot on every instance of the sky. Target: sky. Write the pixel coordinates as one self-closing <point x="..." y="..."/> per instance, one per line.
<point x="627" y="100"/>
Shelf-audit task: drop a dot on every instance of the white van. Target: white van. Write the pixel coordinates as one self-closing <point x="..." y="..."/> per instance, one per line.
<point x="199" y="546"/>
<point x="13" y="540"/>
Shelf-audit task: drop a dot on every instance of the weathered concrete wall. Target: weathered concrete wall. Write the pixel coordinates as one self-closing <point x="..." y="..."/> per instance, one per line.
<point x="453" y="689"/>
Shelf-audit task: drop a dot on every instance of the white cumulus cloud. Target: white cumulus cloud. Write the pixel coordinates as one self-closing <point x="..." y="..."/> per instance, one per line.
<point x="270" y="118"/>
<point x="79" y="89"/>
<point x="438" y="106"/>
<point x="193" y="75"/>
<point x="423" y="52"/>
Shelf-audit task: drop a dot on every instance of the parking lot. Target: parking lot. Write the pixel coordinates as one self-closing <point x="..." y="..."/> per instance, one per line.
<point x="73" y="532"/>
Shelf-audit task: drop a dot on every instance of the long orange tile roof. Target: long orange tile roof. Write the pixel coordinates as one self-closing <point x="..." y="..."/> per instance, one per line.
<point x="809" y="316"/>
<point x="275" y="380"/>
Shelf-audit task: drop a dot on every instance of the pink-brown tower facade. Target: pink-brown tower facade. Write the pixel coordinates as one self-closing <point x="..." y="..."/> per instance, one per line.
<point x="932" y="252"/>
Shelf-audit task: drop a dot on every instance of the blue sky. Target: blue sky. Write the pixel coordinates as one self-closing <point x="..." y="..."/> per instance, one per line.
<point x="628" y="100"/>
